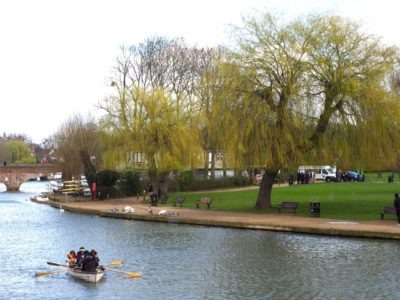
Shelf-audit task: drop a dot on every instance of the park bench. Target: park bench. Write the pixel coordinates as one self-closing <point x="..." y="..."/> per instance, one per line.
<point x="288" y="205"/>
<point x="204" y="201"/>
<point x="388" y="210"/>
<point x="179" y="200"/>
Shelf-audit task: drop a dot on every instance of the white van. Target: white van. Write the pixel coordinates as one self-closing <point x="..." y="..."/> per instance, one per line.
<point x="325" y="173"/>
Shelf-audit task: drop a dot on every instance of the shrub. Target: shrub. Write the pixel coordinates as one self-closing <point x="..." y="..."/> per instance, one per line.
<point x="186" y="181"/>
<point x="129" y="183"/>
<point x="105" y="192"/>
<point x="106" y="178"/>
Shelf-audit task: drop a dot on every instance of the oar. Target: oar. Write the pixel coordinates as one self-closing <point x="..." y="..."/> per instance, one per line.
<point x="130" y="274"/>
<point x="49" y="272"/>
<point x="114" y="263"/>
<point x="56" y="264"/>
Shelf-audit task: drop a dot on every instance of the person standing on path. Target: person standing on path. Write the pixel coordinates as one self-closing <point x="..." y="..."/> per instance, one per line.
<point x="396" y="204"/>
<point x="94" y="190"/>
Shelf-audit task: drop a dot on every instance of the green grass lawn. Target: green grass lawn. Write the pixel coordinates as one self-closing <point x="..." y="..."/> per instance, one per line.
<point x="345" y="201"/>
<point x="381" y="176"/>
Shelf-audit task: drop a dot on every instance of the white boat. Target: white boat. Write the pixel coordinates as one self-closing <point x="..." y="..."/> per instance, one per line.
<point x="86" y="276"/>
<point x="43" y="197"/>
<point x="56" y="182"/>
<point x="85" y="186"/>
<point x="40" y="198"/>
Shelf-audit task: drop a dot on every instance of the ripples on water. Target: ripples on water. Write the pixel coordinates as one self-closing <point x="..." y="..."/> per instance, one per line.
<point x="185" y="262"/>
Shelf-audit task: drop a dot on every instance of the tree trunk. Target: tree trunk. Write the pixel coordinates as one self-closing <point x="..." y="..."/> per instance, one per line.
<point x="250" y="173"/>
<point x="206" y="164"/>
<point x="163" y="185"/>
<point x="264" y="193"/>
<point x="213" y="166"/>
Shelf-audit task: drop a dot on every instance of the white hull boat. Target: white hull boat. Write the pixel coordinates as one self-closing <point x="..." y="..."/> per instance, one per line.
<point x="43" y="197"/>
<point x="86" y="276"/>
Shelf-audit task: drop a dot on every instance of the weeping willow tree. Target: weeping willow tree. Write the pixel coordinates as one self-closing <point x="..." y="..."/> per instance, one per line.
<point x="230" y="116"/>
<point x="16" y="152"/>
<point x="153" y="112"/>
<point x="317" y="90"/>
<point x="165" y="138"/>
<point x="158" y="132"/>
<point x="211" y="89"/>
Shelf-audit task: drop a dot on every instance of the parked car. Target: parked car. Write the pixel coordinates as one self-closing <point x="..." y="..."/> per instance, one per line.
<point x="352" y="176"/>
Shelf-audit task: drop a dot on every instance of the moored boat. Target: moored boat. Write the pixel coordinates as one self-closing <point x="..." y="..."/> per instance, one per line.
<point x="43" y="197"/>
<point x="56" y="182"/>
<point x="86" y="276"/>
<point x="70" y="187"/>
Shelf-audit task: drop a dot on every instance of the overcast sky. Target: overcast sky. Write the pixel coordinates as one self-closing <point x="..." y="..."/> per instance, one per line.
<point x="56" y="55"/>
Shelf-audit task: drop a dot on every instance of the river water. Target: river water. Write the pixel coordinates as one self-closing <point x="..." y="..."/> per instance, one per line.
<point x="185" y="262"/>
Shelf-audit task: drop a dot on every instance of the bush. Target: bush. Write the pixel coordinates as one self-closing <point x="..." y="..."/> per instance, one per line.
<point x="106" y="178"/>
<point x="105" y="181"/>
<point x="130" y="183"/>
<point x="105" y="192"/>
<point x="186" y="181"/>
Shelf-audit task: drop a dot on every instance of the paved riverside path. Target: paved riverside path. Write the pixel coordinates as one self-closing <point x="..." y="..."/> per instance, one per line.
<point x="270" y="221"/>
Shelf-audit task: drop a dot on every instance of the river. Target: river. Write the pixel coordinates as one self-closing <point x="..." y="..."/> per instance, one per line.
<point x="185" y="262"/>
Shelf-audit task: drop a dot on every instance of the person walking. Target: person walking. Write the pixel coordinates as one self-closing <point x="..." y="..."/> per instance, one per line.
<point x="396" y="204"/>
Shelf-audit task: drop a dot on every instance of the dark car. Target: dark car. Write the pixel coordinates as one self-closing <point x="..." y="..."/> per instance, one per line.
<point x="352" y="176"/>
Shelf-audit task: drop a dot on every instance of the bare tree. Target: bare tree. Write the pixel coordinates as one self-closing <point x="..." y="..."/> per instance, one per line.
<point x="74" y="137"/>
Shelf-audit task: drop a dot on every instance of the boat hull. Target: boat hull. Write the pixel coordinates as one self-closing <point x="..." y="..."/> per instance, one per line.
<point x="87" y="276"/>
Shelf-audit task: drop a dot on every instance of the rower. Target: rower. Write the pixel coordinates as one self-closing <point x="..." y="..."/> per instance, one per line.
<point x="90" y="262"/>
<point x="79" y="255"/>
<point x="71" y="255"/>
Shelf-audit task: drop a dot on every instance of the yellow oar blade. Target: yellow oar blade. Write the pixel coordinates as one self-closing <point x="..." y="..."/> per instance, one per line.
<point x="117" y="262"/>
<point x="130" y="274"/>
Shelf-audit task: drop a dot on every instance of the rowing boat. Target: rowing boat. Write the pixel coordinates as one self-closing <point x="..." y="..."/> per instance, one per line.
<point x="86" y="276"/>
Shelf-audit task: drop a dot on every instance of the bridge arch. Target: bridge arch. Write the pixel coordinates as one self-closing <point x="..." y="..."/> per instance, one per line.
<point x="14" y="175"/>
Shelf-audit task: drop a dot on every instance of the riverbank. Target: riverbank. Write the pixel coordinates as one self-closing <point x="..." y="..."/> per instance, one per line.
<point x="386" y="229"/>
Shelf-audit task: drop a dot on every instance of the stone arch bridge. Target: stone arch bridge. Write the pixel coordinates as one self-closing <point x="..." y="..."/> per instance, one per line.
<point x="15" y="175"/>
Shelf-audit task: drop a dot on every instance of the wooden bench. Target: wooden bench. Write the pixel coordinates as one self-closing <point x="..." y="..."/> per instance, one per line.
<point x="179" y="200"/>
<point x="204" y="201"/>
<point x="388" y="210"/>
<point x="288" y="205"/>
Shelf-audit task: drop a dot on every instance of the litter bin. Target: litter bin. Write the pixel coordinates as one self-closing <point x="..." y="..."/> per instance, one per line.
<point x="315" y="209"/>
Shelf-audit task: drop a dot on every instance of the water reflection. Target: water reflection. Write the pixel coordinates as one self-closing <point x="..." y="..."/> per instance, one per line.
<point x="185" y="262"/>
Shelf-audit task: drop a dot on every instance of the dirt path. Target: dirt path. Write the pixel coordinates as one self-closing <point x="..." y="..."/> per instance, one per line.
<point x="276" y="222"/>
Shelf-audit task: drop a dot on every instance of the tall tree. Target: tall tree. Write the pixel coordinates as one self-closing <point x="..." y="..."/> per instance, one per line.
<point x="77" y="138"/>
<point x="209" y="90"/>
<point x="161" y="136"/>
<point x="310" y="76"/>
<point x="16" y="152"/>
<point x="158" y="66"/>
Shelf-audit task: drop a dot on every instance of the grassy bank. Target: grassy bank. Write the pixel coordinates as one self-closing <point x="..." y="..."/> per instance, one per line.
<point x="348" y="201"/>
